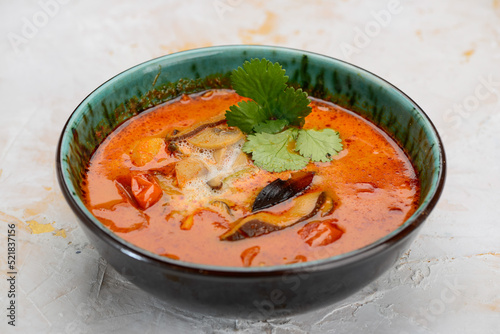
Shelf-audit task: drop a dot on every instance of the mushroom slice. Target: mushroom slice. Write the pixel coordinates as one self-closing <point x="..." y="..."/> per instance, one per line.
<point x="241" y="160"/>
<point x="239" y="174"/>
<point x="263" y="222"/>
<point x="223" y="205"/>
<point x="219" y="155"/>
<point x="216" y="137"/>
<point x="216" y="182"/>
<point x="196" y="128"/>
<point x="332" y="202"/>
<point x="279" y="191"/>
<point x="167" y="185"/>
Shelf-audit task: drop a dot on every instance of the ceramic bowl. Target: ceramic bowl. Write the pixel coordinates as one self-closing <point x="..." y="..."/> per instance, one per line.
<point x="254" y="292"/>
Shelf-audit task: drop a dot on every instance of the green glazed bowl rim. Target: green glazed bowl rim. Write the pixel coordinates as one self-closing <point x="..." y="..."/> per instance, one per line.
<point x="380" y="245"/>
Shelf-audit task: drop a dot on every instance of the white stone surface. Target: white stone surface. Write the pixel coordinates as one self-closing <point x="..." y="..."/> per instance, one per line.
<point x="445" y="55"/>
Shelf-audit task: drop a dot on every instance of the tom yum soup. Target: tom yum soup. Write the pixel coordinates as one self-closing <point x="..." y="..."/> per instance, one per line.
<point x="257" y="176"/>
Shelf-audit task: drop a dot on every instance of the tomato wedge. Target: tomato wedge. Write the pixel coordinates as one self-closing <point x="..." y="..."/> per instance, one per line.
<point x="146" y="190"/>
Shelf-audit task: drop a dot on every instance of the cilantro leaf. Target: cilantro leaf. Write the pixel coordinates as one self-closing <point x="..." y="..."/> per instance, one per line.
<point x="274" y="152"/>
<point x="260" y="80"/>
<point x="245" y="115"/>
<point x="271" y="126"/>
<point x="293" y="106"/>
<point x="318" y="145"/>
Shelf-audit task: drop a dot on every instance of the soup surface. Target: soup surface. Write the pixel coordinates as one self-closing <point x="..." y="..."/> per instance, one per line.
<point x="184" y="197"/>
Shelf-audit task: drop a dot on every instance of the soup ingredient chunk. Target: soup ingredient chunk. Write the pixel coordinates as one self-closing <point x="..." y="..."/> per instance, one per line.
<point x="262" y="222"/>
<point x="140" y="190"/>
<point x="216" y="137"/>
<point x="145" y="150"/>
<point x="279" y="191"/>
<point x="320" y="233"/>
<point x="189" y="169"/>
<point x="146" y="190"/>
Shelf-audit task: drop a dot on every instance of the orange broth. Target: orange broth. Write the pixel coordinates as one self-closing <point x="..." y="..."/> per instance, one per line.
<point x="374" y="181"/>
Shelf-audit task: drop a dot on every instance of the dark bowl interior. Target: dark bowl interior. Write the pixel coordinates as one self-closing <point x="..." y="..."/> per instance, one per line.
<point x="253" y="292"/>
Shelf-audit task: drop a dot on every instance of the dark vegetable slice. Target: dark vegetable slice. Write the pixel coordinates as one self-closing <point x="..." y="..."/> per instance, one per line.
<point x="279" y="191"/>
<point x="260" y="223"/>
<point x="254" y="228"/>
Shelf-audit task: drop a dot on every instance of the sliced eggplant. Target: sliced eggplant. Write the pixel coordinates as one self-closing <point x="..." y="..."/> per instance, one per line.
<point x="279" y="191"/>
<point x="263" y="222"/>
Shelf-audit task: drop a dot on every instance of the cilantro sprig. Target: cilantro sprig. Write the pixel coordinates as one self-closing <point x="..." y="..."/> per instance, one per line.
<point x="273" y="118"/>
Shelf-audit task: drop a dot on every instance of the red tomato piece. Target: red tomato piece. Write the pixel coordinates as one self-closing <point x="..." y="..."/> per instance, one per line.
<point x="146" y="190"/>
<point x="320" y="233"/>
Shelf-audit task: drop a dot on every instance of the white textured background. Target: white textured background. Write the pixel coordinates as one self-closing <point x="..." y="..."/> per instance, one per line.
<point x="445" y="55"/>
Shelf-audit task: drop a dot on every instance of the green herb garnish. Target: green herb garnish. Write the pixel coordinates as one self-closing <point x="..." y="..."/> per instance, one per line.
<point x="274" y="117"/>
<point x="273" y="152"/>
<point x="318" y="145"/>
